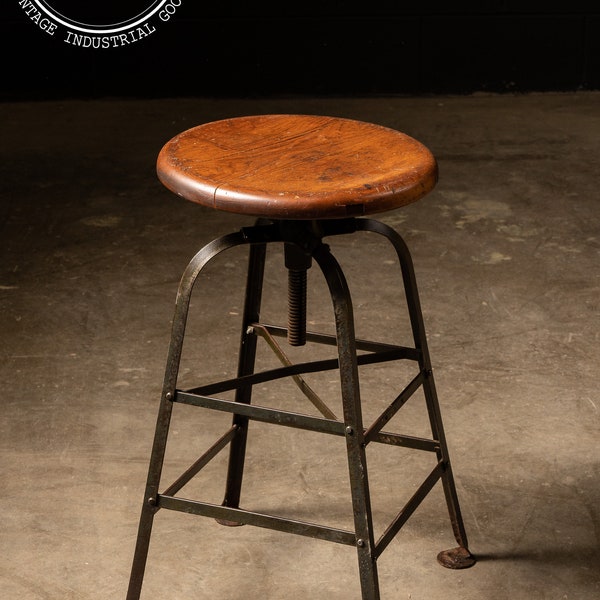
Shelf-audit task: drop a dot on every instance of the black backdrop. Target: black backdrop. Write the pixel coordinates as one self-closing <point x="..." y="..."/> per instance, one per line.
<point x="327" y="47"/>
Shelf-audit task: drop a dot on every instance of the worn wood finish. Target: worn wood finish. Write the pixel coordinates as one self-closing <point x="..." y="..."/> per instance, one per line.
<point x="297" y="167"/>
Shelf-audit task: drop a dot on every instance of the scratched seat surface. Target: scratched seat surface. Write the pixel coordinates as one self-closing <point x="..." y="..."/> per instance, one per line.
<point x="297" y="167"/>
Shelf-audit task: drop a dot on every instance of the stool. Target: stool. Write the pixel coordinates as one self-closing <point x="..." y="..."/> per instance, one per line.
<point x="304" y="178"/>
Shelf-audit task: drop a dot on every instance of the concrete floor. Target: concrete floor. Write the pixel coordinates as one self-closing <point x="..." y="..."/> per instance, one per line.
<point x="507" y="254"/>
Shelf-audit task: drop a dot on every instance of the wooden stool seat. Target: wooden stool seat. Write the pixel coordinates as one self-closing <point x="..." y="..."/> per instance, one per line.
<point x="297" y="167"/>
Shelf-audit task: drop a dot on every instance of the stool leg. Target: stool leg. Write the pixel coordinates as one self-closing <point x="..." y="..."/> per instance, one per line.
<point x="456" y="558"/>
<point x="355" y="446"/>
<point x="247" y="355"/>
<point x="151" y="501"/>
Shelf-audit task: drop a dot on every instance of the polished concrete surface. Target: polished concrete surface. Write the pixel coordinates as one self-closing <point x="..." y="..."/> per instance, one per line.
<point x="507" y="255"/>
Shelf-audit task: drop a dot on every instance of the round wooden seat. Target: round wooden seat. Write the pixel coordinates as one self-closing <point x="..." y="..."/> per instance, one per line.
<point x="297" y="167"/>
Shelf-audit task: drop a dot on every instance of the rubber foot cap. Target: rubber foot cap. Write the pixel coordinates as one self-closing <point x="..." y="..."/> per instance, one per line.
<point x="228" y="523"/>
<point x="456" y="558"/>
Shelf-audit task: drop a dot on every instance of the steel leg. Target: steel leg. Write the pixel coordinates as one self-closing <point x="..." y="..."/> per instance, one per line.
<point x="357" y="460"/>
<point x="149" y="506"/>
<point x="456" y="558"/>
<point x="247" y="355"/>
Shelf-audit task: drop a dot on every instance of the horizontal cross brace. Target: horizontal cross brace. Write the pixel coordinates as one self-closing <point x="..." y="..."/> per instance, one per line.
<point x="331" y="340"/>
<point x="406" y="441"/>
<point x="297" y="369"/>
<point x="261" y="413"/>
<point x="299" y="421"/>
<point x="246" y="517"/>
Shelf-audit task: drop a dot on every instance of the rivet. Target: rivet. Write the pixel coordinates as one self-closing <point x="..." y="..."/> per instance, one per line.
<point x="349" y="430"/>
<point x="360" y="543"/>
<point x="152" y="501"/>
<point x="168" y="395"/>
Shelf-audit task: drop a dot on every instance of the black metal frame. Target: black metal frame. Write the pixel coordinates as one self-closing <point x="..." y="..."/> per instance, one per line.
<point x="305" y="238"/>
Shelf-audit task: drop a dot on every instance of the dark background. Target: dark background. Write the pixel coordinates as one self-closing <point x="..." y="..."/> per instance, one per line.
<point x="324" y="47"/>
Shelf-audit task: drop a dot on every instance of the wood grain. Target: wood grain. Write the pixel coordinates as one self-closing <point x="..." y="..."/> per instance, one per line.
<point x="297" y="167"/>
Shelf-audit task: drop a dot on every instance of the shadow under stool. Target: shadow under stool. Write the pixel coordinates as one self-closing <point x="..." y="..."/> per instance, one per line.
<point x="304" y="178"/>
